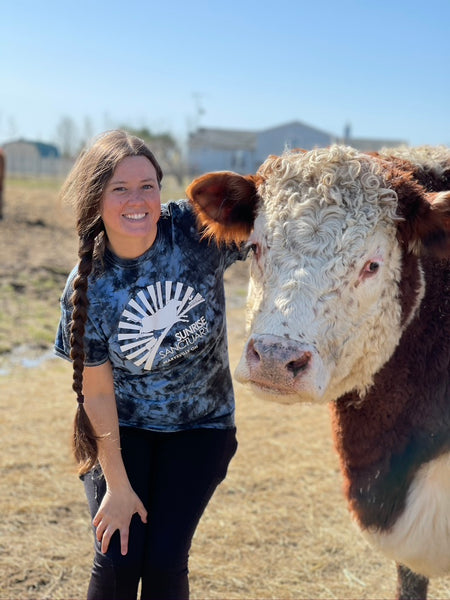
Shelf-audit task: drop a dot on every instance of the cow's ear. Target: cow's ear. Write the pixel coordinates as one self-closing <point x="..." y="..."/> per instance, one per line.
<point x="437" y="239"/>
<point x="225" y="204"/>
<point x="425" y="228"/>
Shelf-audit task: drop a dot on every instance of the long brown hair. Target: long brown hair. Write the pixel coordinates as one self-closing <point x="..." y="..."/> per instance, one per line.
<point x="83" y="188"/>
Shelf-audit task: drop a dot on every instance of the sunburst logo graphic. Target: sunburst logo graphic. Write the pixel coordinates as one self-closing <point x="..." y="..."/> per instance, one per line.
<point x="149" y="317"/>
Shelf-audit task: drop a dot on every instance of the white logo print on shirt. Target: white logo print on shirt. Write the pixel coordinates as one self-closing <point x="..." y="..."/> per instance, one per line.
<point x="148" y="319"/>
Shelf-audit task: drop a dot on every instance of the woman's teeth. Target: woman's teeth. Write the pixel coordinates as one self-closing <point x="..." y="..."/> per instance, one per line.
<point x="135" y="217"/>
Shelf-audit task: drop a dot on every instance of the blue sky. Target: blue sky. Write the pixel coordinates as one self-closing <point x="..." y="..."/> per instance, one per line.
<point x="383" y="66"/>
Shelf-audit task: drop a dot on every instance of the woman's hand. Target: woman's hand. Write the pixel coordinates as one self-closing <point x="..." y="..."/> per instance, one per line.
<point x="115" y="513"/>
<point x="120" y="502"/>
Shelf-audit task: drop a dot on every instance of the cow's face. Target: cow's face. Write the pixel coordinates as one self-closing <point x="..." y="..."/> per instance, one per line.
<point x="325" y="303"/>
<point x="323" y="310"/>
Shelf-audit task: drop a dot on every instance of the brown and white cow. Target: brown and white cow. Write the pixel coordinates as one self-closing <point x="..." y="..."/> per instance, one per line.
<point x="349" y="302"/>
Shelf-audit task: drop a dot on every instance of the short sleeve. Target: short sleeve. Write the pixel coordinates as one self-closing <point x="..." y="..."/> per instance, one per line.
<point x="62" y="341"/>
<point x="95" y="345"/>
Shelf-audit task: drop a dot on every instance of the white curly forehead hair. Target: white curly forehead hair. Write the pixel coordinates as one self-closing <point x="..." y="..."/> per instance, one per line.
<point x="339" y="176"/>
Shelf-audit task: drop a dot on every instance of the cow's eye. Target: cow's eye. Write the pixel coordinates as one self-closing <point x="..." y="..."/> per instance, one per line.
<point x="370" y="268"/>
<point x="255" y="249"/>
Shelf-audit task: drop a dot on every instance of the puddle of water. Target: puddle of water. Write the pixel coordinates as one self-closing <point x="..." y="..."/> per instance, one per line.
<point x="26" y="357"/>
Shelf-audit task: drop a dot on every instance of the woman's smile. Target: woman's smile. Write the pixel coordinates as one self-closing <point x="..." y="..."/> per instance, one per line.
<point x="131" y="207"/>
<point x="135" y="216"/>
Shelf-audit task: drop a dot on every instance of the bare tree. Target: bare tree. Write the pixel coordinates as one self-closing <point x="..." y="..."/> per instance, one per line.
<point x="166" y="149"/>
<point x="88" y="132"/>
<point x="67" y="137"/>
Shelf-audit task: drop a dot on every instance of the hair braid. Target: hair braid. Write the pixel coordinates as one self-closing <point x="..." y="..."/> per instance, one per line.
<point x="85" y="446"/>
<point x="84" y="188"/>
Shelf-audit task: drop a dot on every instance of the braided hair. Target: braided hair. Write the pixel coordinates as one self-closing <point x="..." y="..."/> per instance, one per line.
<point x="83" y="188"/>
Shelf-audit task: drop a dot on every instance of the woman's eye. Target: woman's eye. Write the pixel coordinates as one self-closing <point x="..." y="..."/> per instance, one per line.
<point x="148" y="186"/>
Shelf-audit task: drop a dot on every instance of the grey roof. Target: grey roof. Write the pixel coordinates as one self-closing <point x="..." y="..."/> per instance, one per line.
<point x="223" y="139"/>
<point x="297" y="124"/>
<point x="233" y="139"/>
<point x="367" y="144"/>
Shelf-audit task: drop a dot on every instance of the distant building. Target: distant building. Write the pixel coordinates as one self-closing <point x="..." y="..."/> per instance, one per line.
<point x="291" y="135"/>
<point x="371" y="145"/>
<point x="367" y="144"/>
<point x="30" y="158"/>
<point x="244" y="151"/>
<point x="221" y="150"/>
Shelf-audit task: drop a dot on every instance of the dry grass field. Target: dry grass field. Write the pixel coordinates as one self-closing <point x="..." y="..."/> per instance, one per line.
<point x="277" y="527"/>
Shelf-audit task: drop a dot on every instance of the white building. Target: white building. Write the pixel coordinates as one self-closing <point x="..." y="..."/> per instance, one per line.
<point x="244" y="151"/>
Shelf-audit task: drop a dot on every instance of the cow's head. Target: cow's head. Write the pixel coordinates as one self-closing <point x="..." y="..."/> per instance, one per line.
<point x="335" y="272"/>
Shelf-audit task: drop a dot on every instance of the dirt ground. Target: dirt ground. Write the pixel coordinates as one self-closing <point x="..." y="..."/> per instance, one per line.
<point x="277" y="527"/>
<point x="37" y="248"/>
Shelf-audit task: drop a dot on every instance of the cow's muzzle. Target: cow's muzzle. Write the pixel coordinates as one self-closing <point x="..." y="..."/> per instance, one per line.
<point x="274" y="363"/>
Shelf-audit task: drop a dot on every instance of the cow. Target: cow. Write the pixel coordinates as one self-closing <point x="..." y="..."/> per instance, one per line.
<point x="2" y="178"/>
<point x="349" y="304"/>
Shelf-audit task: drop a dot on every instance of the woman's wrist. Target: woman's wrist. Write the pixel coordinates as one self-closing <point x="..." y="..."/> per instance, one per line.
<point x="114" y="470"/>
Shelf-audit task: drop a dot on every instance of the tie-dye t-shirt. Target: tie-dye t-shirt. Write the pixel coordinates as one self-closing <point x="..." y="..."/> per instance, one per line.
<point x="160" y="320"/>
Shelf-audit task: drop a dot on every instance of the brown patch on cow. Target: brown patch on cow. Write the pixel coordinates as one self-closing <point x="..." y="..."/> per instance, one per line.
<point x="404" y="420"/>
<point x="431" y="170"/>
<point x="441" y="205"/>
<point x="410" y="286"/>
<point x="425" y="224"/>
<point x="432" y="180"/>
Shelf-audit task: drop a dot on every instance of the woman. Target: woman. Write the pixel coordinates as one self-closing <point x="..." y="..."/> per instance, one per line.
<point x="143" y="320"/>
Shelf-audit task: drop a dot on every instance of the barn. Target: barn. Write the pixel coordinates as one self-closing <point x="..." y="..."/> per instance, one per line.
<point x="33" y="158"/>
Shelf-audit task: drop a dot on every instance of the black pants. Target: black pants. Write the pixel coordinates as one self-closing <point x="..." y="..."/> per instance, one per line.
<point x="175" y="475"/>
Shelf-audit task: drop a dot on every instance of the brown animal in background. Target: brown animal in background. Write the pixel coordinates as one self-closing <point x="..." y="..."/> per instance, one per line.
<point x="2" y="178"/>
<point x="349" y="303"/>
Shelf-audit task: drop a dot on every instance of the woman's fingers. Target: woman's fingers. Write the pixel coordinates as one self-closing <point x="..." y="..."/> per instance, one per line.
<point x="96" y="520"/>
<point x="116" y="516"/>
<point x="142" y="512"/>
<point x="103" y="532"/>
<point x="124" y="541"/>
<point x="100" y="527"/>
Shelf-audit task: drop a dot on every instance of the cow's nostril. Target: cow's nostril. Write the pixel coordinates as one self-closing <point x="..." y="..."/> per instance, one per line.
<point x="252" y="354"/>
<point x="298" y="365"/>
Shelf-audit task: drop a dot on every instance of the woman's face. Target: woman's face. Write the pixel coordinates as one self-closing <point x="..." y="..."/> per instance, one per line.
<point x="131" y="206"/>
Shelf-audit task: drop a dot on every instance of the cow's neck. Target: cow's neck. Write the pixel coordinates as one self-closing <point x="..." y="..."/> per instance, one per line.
<point x="404" y="420"/>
